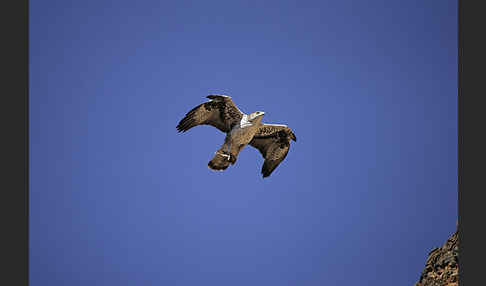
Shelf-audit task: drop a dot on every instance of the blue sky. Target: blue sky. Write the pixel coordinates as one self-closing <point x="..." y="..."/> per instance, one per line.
<point x="118" y="197"/>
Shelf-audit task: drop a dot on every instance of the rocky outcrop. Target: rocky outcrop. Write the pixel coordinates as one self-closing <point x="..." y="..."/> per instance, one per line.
<point x="441" y="268"/>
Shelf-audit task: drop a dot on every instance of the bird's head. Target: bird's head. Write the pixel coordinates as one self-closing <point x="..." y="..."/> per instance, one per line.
<point x="256" y="116"/>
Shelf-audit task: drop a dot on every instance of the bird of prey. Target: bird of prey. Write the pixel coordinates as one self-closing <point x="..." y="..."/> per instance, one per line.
<point x="272" y="140"/>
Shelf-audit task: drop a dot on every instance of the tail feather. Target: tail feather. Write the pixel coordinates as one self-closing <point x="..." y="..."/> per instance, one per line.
<point x="220" y="161"/>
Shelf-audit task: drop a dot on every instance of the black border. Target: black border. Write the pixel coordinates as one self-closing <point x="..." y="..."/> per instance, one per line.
<point x="15" y="144"/>
<point x="460" y="129"/>
<point x="471" y="142"/>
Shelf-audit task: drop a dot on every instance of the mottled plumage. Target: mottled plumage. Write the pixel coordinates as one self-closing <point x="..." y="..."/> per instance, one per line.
<point x="272" y="140"/>
<point x="219" y="111"/>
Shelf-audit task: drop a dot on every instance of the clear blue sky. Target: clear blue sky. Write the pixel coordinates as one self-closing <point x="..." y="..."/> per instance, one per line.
<point x="118" y="197"/>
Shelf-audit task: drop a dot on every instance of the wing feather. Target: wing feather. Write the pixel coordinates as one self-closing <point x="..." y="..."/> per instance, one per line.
<point x="220" y="112"/>
<point x="273" y="142"/>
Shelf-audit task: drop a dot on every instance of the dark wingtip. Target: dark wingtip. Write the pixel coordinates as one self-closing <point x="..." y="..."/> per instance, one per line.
<point x="180" y="128"/>
<point x="265" y="173"/>
<point x="293" y="136"/>
<point x="186" y="123"/>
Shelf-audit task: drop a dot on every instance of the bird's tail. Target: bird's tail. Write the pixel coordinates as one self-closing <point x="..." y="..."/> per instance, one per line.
<point x="221" y="161"/>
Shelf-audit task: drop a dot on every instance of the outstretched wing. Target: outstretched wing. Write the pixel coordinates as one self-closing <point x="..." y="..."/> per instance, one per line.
<point x="220" y="112"/>
<point x="273" y="142"/>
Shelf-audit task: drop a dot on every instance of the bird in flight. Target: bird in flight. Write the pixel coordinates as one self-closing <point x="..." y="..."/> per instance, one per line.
<point x="272" y="140"/>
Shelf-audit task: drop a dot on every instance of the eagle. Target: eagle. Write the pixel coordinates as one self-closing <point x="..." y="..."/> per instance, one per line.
<point x="272" y="140"/>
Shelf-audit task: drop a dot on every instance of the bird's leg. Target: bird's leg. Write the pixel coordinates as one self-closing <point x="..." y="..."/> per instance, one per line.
<point x="234" y="150"/>
<point x="229" y="150"/>
<point x="225" y="149"/>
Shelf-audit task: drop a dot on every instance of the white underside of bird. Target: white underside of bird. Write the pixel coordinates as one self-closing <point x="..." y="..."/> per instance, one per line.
<point x="242" y="133"/>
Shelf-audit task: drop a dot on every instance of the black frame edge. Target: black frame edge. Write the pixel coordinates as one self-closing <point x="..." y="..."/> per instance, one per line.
<point x="15" y="143"/>
<point x="460" y="42"/>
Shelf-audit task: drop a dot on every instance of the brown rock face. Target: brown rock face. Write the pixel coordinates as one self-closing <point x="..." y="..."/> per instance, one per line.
<point x="441" y="268"/>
